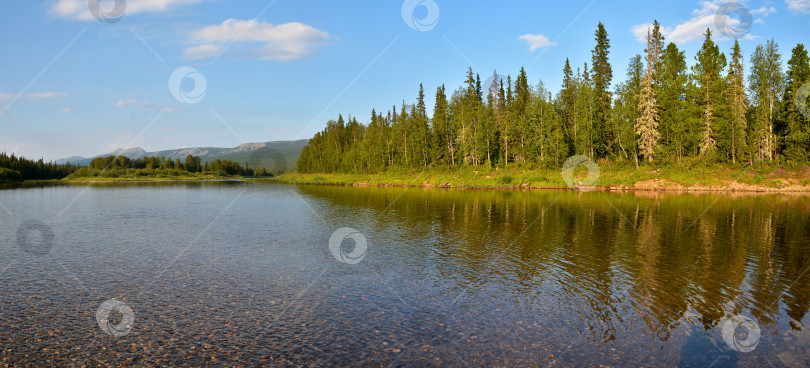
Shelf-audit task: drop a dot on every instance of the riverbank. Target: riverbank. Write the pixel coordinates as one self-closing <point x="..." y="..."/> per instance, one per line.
<point x="144" y="179"/>
<point x="705" y="178"/>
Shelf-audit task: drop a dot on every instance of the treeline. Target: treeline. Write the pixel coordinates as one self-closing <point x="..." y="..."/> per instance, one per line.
<point x="664" y="112"/>
<point x="122" y="166"/>
<point x="13" y="168"/>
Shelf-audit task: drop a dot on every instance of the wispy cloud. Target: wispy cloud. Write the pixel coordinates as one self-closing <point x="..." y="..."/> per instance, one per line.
<point x="67" y="110"/>
<point x="78" y="9"/>
<point x="702" y="18"/>
<point x="4" y="97"/>
<point x="122" y="103"/>
<point x="537" y="41"/>
<point x="206" y="51"/>
<point x="798" y="6"/>
<point x="171" y="109"/>
<point x="148" y="105"/>
<point x="258" y="40"/>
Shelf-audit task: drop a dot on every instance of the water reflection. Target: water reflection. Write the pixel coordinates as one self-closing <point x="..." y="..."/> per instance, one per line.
<point x="233" y="273"/>
<point x="621" y="268"/>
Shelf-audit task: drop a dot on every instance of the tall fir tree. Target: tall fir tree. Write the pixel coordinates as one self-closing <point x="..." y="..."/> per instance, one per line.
<point x="794" y="126"/>
<point x="677" y="121"/>
<point x="647" y="123"/>
<point x="654" y="50"/>
<point x="737" y="98"/>
<point x="567" y="99"/>
<point x="442" y="132"/>
<point x="766" y="83"/>
<point x="708" y="73"/>
<point x="520" y="109"/>
<point x="626" y="109"/>
<point x="602" y="76"/>
<point x="422" y="128"/>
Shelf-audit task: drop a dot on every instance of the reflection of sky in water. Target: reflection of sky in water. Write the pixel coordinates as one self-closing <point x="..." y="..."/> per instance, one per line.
<point x="449" y="278"/>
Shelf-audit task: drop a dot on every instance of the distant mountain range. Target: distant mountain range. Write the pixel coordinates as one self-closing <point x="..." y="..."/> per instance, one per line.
<point x="285" y="151"/>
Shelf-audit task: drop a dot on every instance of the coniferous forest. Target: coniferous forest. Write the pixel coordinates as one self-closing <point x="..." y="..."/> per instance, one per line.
<point x="16" y="169"/>
<point x="725" y="108"/>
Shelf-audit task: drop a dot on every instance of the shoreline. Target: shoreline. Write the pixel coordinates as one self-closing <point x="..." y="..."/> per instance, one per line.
<point x="717" y="179"/>
<point x="666" y="179"/>
<point x="736" y="188"/>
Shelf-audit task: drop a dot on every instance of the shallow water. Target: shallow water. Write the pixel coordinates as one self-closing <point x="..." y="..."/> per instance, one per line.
<point x="236" y="273"/>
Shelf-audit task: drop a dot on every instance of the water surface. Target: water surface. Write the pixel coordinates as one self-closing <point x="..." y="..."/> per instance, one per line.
<point x="235" y="273"/>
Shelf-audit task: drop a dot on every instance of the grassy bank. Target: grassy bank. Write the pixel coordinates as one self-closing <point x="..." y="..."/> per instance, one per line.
<point x="114" y="175"/>
<point x="145" y="178"/>
<point x="691" y="176"/>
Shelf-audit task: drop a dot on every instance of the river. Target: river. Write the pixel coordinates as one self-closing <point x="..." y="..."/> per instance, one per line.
<point x="237" y="273"/>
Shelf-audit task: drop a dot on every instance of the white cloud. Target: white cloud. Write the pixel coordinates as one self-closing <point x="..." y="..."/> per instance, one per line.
<point x="798" y="6"/>
<point x="702" y="18"/>
<point x="282" y="42"/>
<point x="763" y="11"/>
<point x="122" y="103"/>
<point x="171" y="109"/>
<point x="34" y="96"/>
<point x="67" y="110"/>
<point x="537" y="41"/>
<point x="78" y="9"/>
<point x="149" y="105"/>
<point x="38" y="95"/>
<point x="206" y="51"/>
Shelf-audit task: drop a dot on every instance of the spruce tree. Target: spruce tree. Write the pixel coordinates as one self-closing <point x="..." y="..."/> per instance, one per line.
<point x="647" y="123"/>
<point x="707" y="73"/>
<point x="766" y="82"/>
<point x="422" y="129"/>
<point x="626" y="109"/>
<point x="676" y="121"/>
<point x="737" y="97"/>
<point x="602" y="77"/>
<point x="442" y="134"/>
<point x="793" y="125"/>
<point x="520" y="118"/>
<point x="567" y="99"/>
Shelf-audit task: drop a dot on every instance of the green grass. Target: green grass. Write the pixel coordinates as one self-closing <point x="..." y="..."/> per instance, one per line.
<point x="689" y="173"/>
<point x="86" y="174"/>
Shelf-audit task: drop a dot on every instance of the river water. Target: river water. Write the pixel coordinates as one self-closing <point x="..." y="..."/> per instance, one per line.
<point x="236" y="273"/>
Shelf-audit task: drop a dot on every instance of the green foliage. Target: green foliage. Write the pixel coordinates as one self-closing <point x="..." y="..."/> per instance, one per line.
<point x="32" y="170"/>
<point x="708" y="75"/>
<point x="122" y="167"/>
<point x="791" y="123"/>
<point x="10" y="176"/>
<point x="662" y="113"/>
<point x="766" y="82"/>
<point x="602" y="77"/>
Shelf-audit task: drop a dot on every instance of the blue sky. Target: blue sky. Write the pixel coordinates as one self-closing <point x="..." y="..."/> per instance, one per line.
<point x="71" y="84"/>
